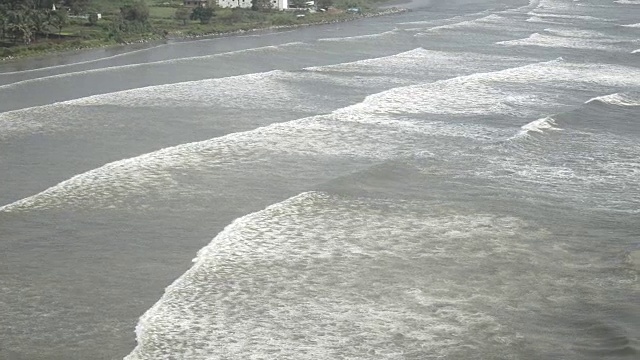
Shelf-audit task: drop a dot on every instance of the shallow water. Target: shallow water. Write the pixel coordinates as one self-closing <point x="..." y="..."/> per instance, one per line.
<point x="460" y="181"/>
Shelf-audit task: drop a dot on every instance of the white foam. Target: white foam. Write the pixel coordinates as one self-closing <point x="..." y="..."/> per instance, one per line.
<point x="362" y="37"/>
<point x="616" y="99"/>
<point x="539" y="126"/>
<point x="632" y="25"/>
<point x="628" y="2"/>
<point x="555" y="5"/>
<point x="544" y="40"/>
<point x="452" y="20"/>
<point x="269" y="90"/>
<point x="418" y="61"/>
<point x="259" y="90"/>
<point x="636" y="51"/>
<point x="317" y="277"/>
<point x="566" y="16"/>
<point x="575" y="33"/>
<point x="377" y="129"/>
<point x="531" y="5"/>
<point x="486" y="94"/>
<point x="492" y="21"/>
<point x="456" y="97"/>
<point x="405" y="58"/>
<point x="537" y="19"/>
<point x="344" y="134"/>
<point x="595" y="170"/>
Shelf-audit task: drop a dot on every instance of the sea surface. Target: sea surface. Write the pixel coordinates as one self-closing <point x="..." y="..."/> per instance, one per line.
<point x="461" y="181"/>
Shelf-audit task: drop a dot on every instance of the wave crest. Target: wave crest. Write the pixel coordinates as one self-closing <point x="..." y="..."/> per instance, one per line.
<point x="539" y="126"/>
<point x="617" y="99"/>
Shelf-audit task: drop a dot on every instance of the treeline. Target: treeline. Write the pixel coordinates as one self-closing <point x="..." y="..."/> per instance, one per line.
<point x="26" y="20"/>
<point x="72" y="24"/>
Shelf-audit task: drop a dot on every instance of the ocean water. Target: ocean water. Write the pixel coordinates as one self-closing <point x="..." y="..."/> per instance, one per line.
<point x="459" y="181"/>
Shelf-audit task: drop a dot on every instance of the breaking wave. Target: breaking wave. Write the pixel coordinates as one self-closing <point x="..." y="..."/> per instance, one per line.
<point x="303" y="278"/>
<point x="566" y="40"/>
<point x="617" y="99"/>
<point x="539" y="126"/>
<point x="628" y="2"/>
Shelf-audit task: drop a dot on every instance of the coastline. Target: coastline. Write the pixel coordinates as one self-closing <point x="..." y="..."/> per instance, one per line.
<point x="390" y="9"/>
<point x="380" y="12"/>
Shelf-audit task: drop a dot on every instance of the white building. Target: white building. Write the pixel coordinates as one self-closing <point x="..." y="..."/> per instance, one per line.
<point x="277" y="4"/>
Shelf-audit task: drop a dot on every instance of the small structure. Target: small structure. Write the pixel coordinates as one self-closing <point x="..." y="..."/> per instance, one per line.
<point x="194" y="3"/>
<point x="275" y="4"/>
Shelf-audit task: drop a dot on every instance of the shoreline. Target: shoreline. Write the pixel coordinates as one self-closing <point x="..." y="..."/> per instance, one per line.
<point x="178" y="36"/>
<point x="382" y="12"/>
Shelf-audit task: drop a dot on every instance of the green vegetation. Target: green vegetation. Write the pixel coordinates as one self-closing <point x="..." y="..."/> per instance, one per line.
<point x="30" y="27"/>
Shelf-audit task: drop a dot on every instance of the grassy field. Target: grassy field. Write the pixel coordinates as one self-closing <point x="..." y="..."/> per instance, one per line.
<point x="161" y="12"/>
<point x="162" y="23"/>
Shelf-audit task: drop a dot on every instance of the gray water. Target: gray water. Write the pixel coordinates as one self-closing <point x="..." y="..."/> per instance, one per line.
<point x="460" y="181"/>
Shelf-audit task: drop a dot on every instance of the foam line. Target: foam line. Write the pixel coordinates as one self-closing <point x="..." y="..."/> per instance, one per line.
<point x="480" y="93"/>
<point x="574" y="33"/>
<point x="80" y="62"/>
<point x="335" y="134"/>
<point x="361" y="37"/>
<point x="531" y="5"/>
<point x="567" y="16"/>
<point x="59" y="116"/>
<point x="210" y="92"/>
<point x="340" y="134"/>
<point x="132" y="66"/>
<point x="567" y="40"/>
<point x="489" y="21"/>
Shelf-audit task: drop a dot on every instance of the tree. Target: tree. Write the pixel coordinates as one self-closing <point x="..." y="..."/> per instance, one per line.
<point x="204" y="14"/>
<point x="15" y="20"/>
<point x="59" y="19"/>
<point x="43" y="4"/>
<point x="4" y="20"/>
<point x="182" y="14"/>
<point x="40" y="21"/>
<point x="20" y="24"/>
<point x="77" y="6"/>
<point x="24" y="19"/>
<point x="138" y="11"/>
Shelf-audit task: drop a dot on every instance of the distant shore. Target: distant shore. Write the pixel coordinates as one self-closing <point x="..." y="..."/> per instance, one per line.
<point x="70" y="46"/>
<point x="381" y="12"/>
